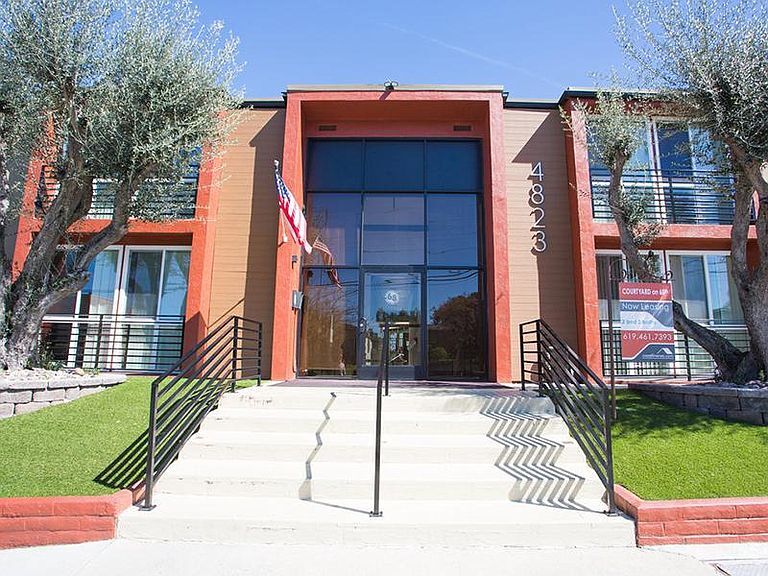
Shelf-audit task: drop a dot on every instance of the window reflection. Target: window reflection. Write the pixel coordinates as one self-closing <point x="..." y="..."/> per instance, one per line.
<point x="454" y="166"/>
<point x="396" y="165"/>
<point x="393" y="229"/>
<point x="390" y="212"/>
<point x="329" y="323"/>
<point x="335" y="165"/>
<point x="335" y="220"/>
<point x="395" y="297"/>
<point x="452" y="229"/>
<point x="456" y="328"/>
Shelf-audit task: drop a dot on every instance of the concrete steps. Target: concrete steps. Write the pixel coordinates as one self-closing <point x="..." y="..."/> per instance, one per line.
<point x="434" y="522"/>
<point x="463" y="466"/>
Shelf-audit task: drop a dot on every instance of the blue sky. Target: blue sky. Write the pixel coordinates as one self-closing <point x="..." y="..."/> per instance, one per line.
<point x="534" y="48"/>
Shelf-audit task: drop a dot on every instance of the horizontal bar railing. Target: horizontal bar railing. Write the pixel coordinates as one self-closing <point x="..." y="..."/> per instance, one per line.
<point x="178" y="200"/>
<point x="581" y="398"/>
<point x="691" y="360"/>
<point x="124" y="342"/>
<point x="670" y="196"/>
<point x="184" y="395"/>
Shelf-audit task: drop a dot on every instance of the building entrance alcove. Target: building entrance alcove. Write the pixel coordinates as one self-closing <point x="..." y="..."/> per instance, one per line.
<point x="397" y="231"/>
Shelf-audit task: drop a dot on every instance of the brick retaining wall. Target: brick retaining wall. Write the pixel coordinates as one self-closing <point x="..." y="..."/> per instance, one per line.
<point x="740" y="404"/>
<point x="705" y="521"/>
<point x="60" y="519"/>
<point x="27" y="395"/>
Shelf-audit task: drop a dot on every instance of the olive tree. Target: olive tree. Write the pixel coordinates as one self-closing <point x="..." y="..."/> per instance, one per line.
<point x="705" y="61"/>
<point x="612" y="127"/>
<point x="123" y="91"/>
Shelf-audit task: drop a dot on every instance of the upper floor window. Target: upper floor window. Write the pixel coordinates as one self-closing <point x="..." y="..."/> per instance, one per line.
<point x="675" y="174"/>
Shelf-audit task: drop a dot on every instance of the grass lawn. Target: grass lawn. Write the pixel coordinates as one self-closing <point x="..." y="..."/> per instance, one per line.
<point x="661" y="452"/>
<point x="58" y="451"/>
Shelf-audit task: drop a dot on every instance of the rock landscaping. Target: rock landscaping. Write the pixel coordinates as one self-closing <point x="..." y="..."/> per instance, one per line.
<point x="742" y="403"/>
<point x="24" y="391"/>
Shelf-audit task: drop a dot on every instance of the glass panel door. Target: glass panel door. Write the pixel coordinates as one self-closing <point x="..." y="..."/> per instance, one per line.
<point x="155" y="301"/>
<point x="94" y="337"/>
<point x="397" y="297"/>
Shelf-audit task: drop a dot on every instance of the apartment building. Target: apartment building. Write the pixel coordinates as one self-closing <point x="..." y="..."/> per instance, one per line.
<point x="454" y="212"/>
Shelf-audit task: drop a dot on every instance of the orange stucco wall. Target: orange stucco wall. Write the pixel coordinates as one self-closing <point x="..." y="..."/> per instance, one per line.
<point x="543" y="281"/>
<point x="242" y="265"/>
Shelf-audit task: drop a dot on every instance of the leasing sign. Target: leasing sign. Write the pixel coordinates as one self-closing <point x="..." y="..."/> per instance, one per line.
<point x="647" y="328"/>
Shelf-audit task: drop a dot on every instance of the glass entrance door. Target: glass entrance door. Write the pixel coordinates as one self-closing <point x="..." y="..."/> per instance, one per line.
<point x="397" y="297"/>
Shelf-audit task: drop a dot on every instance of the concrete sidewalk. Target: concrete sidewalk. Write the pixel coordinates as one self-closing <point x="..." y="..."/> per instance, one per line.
<point x="731" y="559"/>
<point x="133" y="558"/>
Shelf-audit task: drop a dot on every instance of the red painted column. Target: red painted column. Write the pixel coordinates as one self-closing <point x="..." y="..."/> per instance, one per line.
<point x="28" y="224"/>
<point x="584" y="257"/>
<point x="285" y="327"/>
<point x="201" y="257"/>
<point x="497" y="238"/>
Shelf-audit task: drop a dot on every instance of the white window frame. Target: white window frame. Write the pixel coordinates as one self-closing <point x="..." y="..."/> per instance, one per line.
<point x="153" y="319"/>
<point x="123" y="295"/>
<point x="120" y="296"/>
<point x="708" y="285"/>
<point x="665" y="258"/>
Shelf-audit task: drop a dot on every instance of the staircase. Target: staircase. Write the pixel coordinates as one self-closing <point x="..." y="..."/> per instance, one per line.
<point x="460" y="467"/>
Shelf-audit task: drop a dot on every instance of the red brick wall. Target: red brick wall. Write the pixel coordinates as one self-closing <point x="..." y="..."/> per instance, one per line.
<point x="61" y="519"/>
<point x="705" y="521"/>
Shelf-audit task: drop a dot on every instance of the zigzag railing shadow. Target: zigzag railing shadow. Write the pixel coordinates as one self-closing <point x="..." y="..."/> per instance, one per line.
<point x="530" y="458"/>
<point x="580" y="397"/>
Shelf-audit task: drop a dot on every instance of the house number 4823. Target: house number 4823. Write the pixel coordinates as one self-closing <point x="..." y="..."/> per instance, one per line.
<point x="536" y="199"/>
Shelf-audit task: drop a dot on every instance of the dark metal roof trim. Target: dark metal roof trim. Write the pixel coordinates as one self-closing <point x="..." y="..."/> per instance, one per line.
<point x="253" y="103"/>
<point x="532" y="104"/>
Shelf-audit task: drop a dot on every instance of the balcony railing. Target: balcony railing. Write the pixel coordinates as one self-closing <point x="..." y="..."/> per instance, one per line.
<point x="177" y="203"/>
<point x="126" y="343"/>
<point x="691" y="360"/>
<point x="672" y="197"/>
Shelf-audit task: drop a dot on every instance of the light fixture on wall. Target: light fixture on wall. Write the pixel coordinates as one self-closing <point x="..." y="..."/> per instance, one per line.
<point x="391" y="85"/>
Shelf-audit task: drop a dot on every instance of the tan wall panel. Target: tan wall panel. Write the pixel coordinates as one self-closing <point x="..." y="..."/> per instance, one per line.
<point x="246" y="224"/>
<point x="541" y="284"/>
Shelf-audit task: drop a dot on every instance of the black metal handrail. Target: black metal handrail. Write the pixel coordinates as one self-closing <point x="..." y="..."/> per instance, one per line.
<point x="177" y="203"/>
<point x="691" y="360"/>
<point x="670" y="196"/>
<point x="382" y="383"/>
<point x="124" y="342"/>
<point x="184" y="395"/>
<point x="581" y="398"/>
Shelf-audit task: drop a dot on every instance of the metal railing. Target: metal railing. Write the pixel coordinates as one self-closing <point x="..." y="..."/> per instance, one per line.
<point x="580" y="397"/>
<point x="670" y="196"/>
<point x="691" y="360"/>
<point x="382" y="383"/>
<point x="184" y="395"/>
<point x="178" y="203"/>
<point x="124" y="342"/>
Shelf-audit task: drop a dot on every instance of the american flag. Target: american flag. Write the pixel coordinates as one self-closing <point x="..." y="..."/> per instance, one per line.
<point x="290" y="208"/>
<point x="328" y="260"/>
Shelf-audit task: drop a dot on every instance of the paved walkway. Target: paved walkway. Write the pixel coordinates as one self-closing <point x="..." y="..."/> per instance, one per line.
<point x="133" y="558"/>
<point x="731" y="559"/>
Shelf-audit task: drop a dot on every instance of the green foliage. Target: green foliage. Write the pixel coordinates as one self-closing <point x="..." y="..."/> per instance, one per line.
<point x="124" y="90"/>
<point x="614" y="130"/>
<point x="661" y="452"/>
<point x="709" y="58"/>
<point x="59" y="450"/>
<point x="615" y="127"/>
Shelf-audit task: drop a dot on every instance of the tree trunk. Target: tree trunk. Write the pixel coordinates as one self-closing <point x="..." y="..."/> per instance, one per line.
<point x="5" y="261"/>
<point x="733" y="364"/>
<point x="39" y="287"/>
